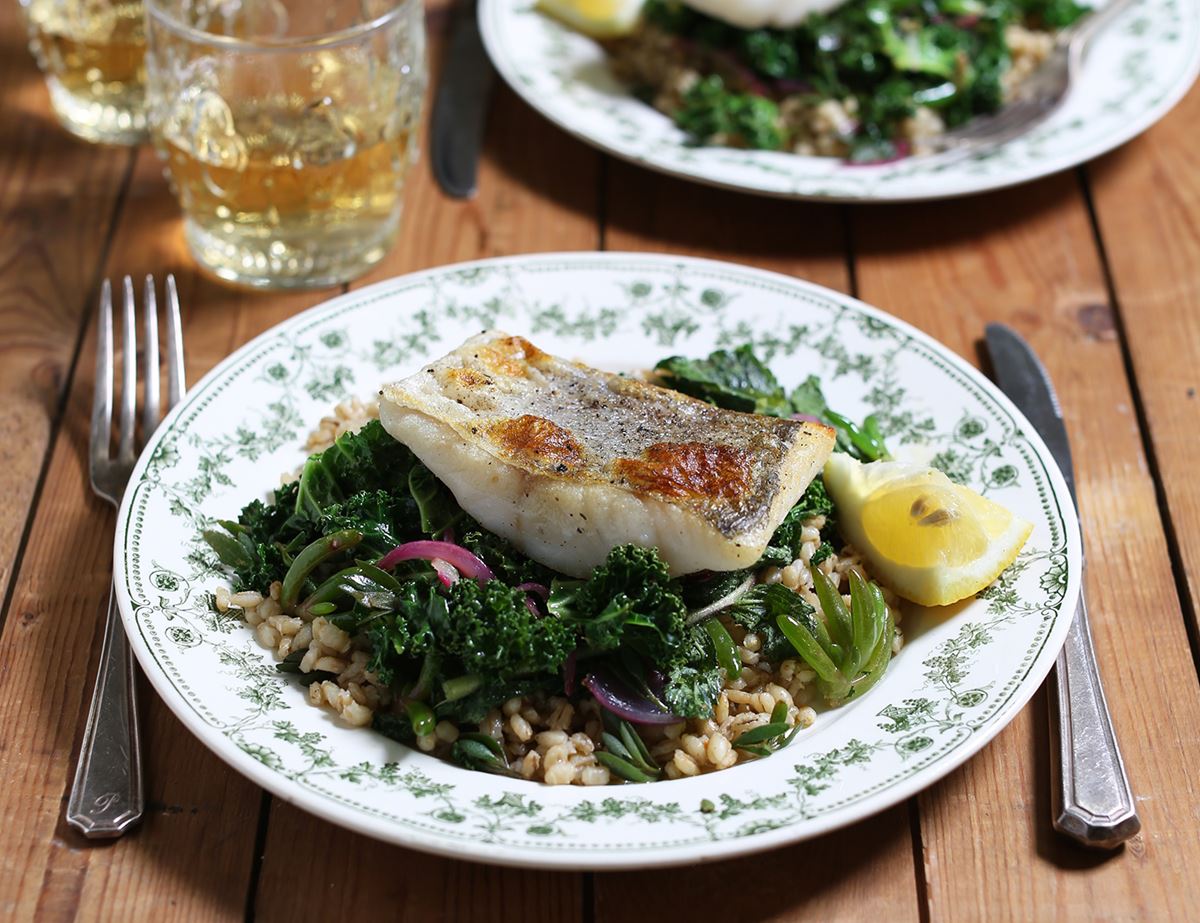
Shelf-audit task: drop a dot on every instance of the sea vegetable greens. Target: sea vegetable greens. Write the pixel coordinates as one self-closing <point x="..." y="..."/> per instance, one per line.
<point x="889" y="56"/>
<point x="456" y="620"/>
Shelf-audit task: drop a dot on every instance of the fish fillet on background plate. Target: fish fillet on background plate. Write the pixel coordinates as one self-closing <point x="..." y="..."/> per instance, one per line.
<point x="566" y="461"/>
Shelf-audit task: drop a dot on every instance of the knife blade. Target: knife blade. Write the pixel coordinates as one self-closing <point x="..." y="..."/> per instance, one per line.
<point x="1092" y="801"/>
<point x="460" y="107"/>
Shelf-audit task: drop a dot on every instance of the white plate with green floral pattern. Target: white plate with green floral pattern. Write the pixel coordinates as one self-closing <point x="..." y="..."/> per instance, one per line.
<point x="1139" y="67"/>
<point x="962" y="675"/>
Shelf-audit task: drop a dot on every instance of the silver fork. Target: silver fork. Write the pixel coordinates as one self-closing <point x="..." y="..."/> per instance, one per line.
<point x="106" y="796"/>
<point x="1038" y="97"/>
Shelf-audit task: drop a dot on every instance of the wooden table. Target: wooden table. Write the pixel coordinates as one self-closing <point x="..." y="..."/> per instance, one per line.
<point x="1099" y="268"/>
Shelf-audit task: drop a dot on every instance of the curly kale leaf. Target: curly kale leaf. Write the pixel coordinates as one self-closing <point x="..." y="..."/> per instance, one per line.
<point x="399" y="637"/>
<point x="758" y="611"/>
<point x="629" y="601"/>
<point x="369" y="459"/>
<point x="784" y="546"/>
<point x="692" y="691"/>
<point x="711" y="111"/>
<point x="366" y="482"/>
<point x="492" y="632"/>
<point x="739" y="380"/>
<point x="506" y="562"/>
<point x="736" y="380"/>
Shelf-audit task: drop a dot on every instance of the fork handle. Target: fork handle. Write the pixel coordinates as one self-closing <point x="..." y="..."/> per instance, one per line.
<point x="1093" y="801"/>
<point x="107" y="796"/>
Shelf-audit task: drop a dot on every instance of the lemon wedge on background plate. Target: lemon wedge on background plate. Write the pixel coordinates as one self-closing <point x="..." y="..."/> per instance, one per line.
<point x="931" y="540"/>
<point x="595" y="18"/>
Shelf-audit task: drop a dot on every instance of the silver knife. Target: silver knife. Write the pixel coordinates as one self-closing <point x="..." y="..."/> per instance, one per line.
<point x="460" y="107"/>
<point x="1092" y="800"/>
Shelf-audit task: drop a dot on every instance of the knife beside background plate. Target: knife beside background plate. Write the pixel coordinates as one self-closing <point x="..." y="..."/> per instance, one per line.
<point x="460" y="107"/>
<point x="1092" y="800"/>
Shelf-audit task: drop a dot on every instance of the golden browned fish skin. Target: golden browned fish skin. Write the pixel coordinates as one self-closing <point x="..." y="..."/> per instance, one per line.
<point x="567" y="461"/>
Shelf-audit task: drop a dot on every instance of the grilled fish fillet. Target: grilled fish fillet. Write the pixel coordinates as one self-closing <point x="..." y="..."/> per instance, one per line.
<point x="567" y="462"/>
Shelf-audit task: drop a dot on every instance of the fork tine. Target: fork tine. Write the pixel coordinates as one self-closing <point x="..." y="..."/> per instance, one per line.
<point x="129" y="379"/>
<point x="150" y="410"/>
<point x="103" y="387"/>
<point x="175" y="370"/>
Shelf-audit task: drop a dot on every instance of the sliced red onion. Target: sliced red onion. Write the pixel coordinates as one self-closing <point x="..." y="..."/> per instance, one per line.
<point x="623" y="702"/>
<point x="458" y="557"/>
<point x="532" y="607"/>
<point x="537" y="589"/>
<point x="446" y="572"/>
<point x="806" y="418"/>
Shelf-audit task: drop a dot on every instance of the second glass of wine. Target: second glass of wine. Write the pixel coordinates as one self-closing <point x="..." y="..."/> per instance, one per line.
<point x="92" y="54"/>
<point x="287" y="128"/>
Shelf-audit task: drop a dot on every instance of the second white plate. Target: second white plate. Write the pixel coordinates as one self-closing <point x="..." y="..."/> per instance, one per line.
<point x="1141" y="65"/>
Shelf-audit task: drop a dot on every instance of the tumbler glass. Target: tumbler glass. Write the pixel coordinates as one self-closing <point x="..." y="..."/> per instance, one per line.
<point x="92" y="53"/>
<point x="287" y="128"/>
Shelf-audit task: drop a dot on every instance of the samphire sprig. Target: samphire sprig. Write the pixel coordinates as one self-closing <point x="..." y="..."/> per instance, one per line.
<point x="850" y="650"/>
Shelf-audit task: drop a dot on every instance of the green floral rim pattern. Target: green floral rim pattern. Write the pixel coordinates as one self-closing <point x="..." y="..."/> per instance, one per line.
<point x="960" y="678"/>
<point x="1138" y="69"/>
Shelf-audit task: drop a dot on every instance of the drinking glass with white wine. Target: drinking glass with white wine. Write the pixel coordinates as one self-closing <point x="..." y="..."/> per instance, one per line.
<point x="93" y="55"/>
<point x="287" y="128"/>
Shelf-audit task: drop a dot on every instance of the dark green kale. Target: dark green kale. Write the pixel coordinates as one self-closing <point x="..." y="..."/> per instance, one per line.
<point x="401" y="636"/>
<point x="491" y="631"/>
<point x="369" y="459"/>
<point x="692" y="691"/>
<point x="629" y="601"/>
<point x="359" y="483"/>
<point x="784" y="546"/>
<point x="736" y="380"/>
<point x="759" y="610"/>
<point x="888" y="57"/>
<point x="739" y="380"/>
<point x="506" y="562"/>
<point x="704" y="589"/>
<point x="710" y="111"/>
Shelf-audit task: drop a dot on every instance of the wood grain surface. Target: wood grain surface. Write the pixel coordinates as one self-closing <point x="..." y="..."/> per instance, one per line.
<point x="977" y="846"/>
<point x="1031" y="261"/>
<point x="1147" y="199"/>
<point x="57" y="199"/>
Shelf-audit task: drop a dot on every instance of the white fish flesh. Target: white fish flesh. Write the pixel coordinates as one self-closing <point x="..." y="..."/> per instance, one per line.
<point x="567" y="462"/>
<point x="755" y="14"/>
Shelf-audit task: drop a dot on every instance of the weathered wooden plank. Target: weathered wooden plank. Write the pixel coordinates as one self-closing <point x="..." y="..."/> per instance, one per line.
<point x="192" y="856"/>
<point x="57" y="196"/>
<point x="1147" y="199"/>
<point x="537" y="191"/>
<point x="1027" y="258"/>
<point x="863" y="872"/>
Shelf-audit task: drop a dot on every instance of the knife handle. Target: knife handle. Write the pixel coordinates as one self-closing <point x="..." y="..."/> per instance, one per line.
<point x="1093" y="801"/>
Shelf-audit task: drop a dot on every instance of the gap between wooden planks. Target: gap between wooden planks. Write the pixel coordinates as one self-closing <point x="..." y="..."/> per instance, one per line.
<point x="57" y="196"/>
<point x="1147" y="200"/>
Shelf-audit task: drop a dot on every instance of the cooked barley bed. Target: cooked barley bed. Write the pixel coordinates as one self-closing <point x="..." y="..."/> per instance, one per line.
<point x="548" y="738"/>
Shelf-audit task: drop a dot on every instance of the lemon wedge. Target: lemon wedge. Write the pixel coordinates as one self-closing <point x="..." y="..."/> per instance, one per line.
<point x="931" y="540"/>
<point x="595" y="18"/>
